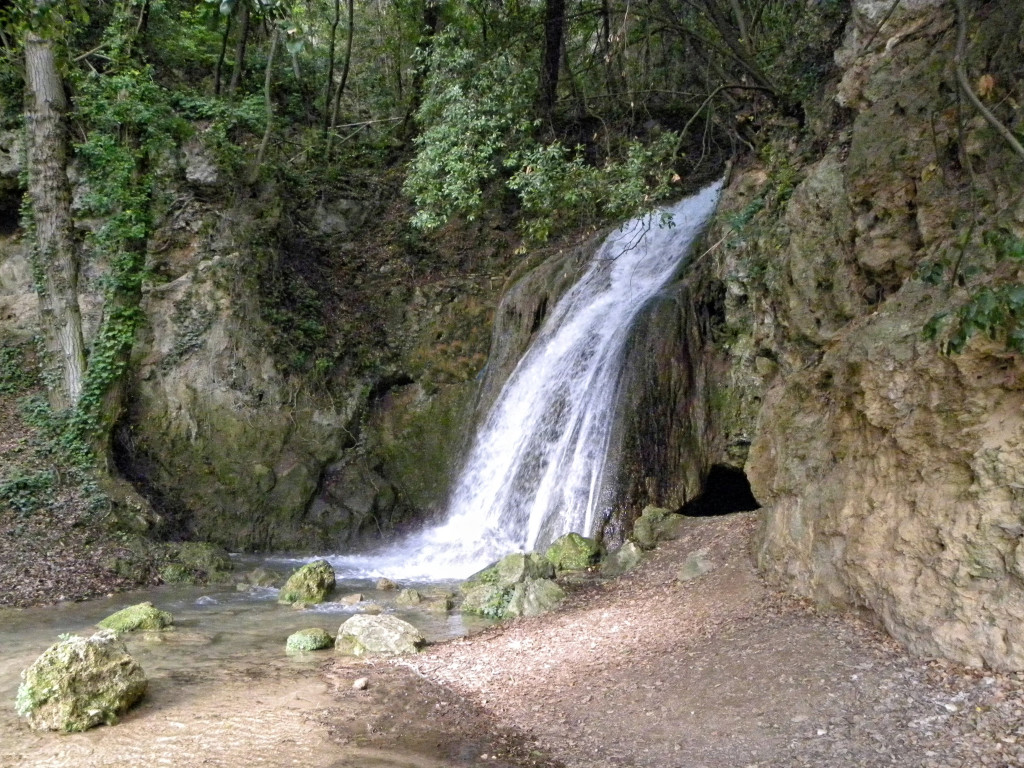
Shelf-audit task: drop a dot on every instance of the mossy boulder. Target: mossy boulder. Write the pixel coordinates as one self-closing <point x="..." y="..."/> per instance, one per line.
<point x="312" y="639"/>
<point x="408" y="597"/>
<point x="311" y="583"/>
<point x="573" y="552"/>
<point x="377" y="635"/>
<point x="534" y="597"/>
<point x="142" y="616"/>
<point x="198" y="562"/>
<point x="79" y="683"/>
<point x="517" y="568"/>
<point x="624" y="559"/>
<point x="656" y="524"/>
<point x="488" y="600"/>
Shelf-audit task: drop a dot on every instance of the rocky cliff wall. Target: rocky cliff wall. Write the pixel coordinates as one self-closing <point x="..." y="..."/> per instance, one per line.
<point x="891" y="474"/>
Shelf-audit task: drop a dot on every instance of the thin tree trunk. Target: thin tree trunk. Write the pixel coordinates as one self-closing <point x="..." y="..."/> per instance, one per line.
<point x="344" y="73"/>
<point x="269" y="104"/>
<point x="219" y="68"/>
<point x="55" y="257"/>
<point x="328" y="86"/>
<point x="243" y="40"/>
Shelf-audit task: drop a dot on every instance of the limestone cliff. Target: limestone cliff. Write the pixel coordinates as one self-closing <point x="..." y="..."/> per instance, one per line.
<point x="891" y="474"/>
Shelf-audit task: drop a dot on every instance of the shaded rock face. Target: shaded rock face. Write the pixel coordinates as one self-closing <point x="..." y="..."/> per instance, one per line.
<point x="890" y="474"/>
<point x="79" y="683"/>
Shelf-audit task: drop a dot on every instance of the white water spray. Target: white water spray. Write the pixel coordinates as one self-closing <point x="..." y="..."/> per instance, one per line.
<point x="537" y="467"/>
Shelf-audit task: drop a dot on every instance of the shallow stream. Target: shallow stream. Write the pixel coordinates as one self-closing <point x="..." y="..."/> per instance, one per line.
<point x="215" y="627"/>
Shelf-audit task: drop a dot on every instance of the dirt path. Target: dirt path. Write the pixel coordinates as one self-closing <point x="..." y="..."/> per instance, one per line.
<point x="646" y="671"/>
<point x="719" y="672"/>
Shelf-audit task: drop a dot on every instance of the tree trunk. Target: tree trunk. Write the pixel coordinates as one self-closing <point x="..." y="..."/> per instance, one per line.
<point x="54" y="256"/>
<point x="554" y="29"/>
<point x="344" y="74"/>
<point x="328" y="86"/>
<point x="243" y="39"/>
<point x="268" y="105"/>
<point x="219" y="68"/>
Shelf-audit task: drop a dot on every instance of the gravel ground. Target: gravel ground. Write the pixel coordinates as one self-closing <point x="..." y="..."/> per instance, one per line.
<point x="719" y="671"/>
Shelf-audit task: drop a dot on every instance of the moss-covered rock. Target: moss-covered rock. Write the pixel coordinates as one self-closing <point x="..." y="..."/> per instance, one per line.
<point x="79" y="683"/>
<point x="312" y="639"/>
<point x="409" y="597"/>
<point x="311" y="583"/>
<point x="377" y="635"/>
<point x="142" y="616"/>
<point x="517" y="568"/>
<point x="696" y="565"/>
<point x="573" y="552"/>
<point x="204" y="563"/>
<point x="656" y="524"/>
<point x="625" y="558"/>
<point x="488" y="600"/>
<point x="534" y="597"/>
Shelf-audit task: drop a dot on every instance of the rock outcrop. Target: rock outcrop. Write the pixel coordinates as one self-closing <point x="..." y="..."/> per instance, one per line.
<point x="891" y="474"/>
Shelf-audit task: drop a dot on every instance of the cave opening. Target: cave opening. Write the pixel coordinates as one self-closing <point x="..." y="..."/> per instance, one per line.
<point x="726" y="490"/>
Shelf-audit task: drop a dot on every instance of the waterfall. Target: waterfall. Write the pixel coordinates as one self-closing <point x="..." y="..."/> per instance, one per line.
<point x="538" y="467"/>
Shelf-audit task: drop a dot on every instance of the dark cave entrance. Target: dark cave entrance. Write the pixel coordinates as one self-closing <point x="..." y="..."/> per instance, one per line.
<point x="726" y="489"/>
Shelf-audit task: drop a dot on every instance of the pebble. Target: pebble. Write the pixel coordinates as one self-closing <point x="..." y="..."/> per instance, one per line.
<point x="361" y="683"/>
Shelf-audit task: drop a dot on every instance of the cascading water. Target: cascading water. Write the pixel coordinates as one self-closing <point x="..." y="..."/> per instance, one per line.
<point x="537" y="467"/>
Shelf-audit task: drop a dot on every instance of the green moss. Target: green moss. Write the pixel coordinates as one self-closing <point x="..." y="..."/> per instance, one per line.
<point x="305" y="640"/>
<point x="176" y="574"/>
<point x="488" y="600"/>
<point x="573" y="552"/>
<point x="195" y="562"/>
<point x="309" y="584"/>
<point x="142" y="616"/>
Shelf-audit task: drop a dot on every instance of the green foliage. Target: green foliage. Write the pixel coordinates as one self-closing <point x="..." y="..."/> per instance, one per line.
<point x="479" y="128"/>
<point x="995" y="310"/>
<point x="473" y="113"/>
<point x="26" y="492"/>
<point x="558" y="189"/>
<point x="16" y="373"/>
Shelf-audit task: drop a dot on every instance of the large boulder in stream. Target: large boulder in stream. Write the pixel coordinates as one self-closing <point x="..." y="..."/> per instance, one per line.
<point x="141" y="616"/>
<point x="311" y="583"/>
<point x="79" y="683"/>
<point x="573" y="552"/>
<point x="377" y="635"/>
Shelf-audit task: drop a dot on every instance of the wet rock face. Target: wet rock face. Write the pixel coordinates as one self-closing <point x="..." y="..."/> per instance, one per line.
<point x="79" y="683"/>
<point x="891" y="475"/>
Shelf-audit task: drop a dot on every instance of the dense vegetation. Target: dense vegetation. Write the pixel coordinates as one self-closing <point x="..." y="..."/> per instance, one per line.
<point x="563" y="114"/>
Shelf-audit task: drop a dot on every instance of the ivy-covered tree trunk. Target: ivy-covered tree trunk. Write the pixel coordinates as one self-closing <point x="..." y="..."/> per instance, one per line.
<point x="54" y="252"/>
